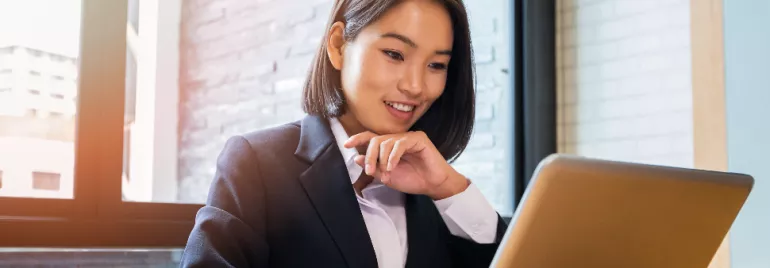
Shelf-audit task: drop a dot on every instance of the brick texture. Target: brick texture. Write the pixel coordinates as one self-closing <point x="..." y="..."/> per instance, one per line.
<point x="243" y="64"/>
<point x="625" y="89"/>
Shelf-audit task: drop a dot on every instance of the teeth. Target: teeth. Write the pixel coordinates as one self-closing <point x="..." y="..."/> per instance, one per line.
<point x="401" y="107"/>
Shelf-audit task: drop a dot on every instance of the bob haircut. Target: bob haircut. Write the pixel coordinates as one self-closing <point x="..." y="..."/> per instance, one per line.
<point x="448" y="122"/>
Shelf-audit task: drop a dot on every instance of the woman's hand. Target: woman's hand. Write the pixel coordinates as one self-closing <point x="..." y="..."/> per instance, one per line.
<point x="408" y="162"/>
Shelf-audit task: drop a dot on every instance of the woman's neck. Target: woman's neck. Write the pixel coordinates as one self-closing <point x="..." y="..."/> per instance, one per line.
<point x="351" y="124"/>
<point x="352" y="127"/>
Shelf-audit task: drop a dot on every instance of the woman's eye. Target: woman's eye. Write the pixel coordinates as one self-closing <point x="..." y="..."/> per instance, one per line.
<point x="393" y="55"/>
<point x="437" y="66"/>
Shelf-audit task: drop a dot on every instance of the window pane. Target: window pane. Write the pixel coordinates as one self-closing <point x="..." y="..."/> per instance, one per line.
<point x="38" y="96"/>
<point x="240" y="67"/>
<point x="24" y="257"/>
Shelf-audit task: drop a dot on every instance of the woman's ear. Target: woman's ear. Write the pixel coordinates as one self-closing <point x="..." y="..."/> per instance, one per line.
<point x="335" y="45"/>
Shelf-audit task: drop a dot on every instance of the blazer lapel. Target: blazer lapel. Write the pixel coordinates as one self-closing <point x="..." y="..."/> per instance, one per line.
<point x="328" y="186"/>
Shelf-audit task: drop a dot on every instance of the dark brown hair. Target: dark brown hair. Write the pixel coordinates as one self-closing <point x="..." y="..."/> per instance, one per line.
<point x="448" y="122"/>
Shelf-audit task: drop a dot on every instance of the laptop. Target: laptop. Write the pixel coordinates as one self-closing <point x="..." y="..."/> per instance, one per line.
<point x="582" y="212"/>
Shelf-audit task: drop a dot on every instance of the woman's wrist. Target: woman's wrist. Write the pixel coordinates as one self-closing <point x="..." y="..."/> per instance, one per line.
<point x="454" y="184"/>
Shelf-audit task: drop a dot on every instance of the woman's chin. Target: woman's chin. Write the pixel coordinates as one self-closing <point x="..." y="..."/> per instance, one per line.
<point x="381" y="129"/>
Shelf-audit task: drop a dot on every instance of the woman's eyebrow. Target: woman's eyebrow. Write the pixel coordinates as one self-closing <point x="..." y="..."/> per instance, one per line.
<point x="401" y="38"/>
<point x="411" y="43"/>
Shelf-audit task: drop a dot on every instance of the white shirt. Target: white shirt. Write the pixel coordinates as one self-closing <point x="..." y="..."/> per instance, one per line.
<point x="468" y="214"/>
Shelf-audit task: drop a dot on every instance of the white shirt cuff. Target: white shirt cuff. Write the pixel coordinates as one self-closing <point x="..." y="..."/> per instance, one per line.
<point x="469" y="215"/>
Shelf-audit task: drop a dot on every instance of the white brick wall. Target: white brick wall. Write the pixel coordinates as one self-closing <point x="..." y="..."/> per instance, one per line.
<point x="624" y="80"/>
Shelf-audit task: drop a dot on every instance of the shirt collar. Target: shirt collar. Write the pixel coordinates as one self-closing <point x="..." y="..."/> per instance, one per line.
<point x="348" y="154"/>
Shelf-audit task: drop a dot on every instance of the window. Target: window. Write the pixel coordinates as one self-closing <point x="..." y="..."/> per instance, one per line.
<point x="31" y="141"/>
<point x="45" y="181"/>
<point x="39" y="152"/>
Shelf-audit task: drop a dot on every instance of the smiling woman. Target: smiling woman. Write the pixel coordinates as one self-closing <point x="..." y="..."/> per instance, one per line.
<point x="390" y="102"/>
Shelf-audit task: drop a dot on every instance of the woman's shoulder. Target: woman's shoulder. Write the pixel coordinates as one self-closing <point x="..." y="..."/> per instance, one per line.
<point x="261" y="147"/>
<point x="276" y="137"/>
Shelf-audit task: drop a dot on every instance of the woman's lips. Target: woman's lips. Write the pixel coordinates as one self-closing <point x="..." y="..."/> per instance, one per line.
<point x="400" y="110"/>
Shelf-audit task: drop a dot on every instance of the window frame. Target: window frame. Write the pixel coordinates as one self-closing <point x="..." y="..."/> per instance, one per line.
<point x="98" y="217"/>
<point x="534" y="126"/>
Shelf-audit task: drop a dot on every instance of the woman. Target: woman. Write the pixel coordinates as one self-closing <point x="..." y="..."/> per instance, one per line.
<point x="363" y="180"/>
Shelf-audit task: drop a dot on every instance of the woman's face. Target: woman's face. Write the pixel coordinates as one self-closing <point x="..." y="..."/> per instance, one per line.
<point x="395" y="68"/>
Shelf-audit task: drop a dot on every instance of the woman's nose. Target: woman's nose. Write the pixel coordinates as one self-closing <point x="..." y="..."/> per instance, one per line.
<point x="413" y="81"/>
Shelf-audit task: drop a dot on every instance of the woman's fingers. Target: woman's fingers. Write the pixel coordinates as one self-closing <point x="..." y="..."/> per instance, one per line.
<point x="383" y="153"/>
<point x="361" y="161"/>
<point x="372" y="153"/>
<point x="399" y="148"/>
<point x="359" y="139"/>
<point x="370" y="140"/>
<point x="385" y="147"/>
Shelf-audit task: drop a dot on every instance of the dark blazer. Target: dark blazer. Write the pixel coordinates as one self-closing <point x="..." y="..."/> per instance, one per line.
<point x="282" y="197"/>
